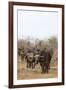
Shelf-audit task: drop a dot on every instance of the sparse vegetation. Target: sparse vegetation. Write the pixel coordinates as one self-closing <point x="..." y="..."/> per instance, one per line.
<point x="35" y="44"/>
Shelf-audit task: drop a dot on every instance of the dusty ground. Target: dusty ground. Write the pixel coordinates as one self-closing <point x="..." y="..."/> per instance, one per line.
<point x="25" y="73"/>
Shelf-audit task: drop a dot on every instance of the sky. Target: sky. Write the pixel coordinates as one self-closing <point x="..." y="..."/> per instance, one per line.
<point x="37" y="24"/>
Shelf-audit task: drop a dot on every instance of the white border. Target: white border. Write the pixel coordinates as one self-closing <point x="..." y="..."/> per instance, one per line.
<point x="37" y="81"/>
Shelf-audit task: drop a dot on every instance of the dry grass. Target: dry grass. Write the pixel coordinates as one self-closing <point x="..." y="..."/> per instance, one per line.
<point x="26" y="73"/>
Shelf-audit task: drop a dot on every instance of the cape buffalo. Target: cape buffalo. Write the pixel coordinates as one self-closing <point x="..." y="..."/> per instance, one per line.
<point x="30" y="60"/>
<point x="44" y="60"/>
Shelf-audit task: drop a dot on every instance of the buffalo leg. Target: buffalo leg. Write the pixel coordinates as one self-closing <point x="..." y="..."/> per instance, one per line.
<point x="43" y="68"/>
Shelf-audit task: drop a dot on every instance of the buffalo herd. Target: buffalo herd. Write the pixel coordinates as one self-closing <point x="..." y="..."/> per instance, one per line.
<point x="33" y="57"/>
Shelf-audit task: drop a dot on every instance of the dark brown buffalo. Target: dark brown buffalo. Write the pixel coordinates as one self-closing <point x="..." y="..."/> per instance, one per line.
<point x="44" y="60"/>
<point x="30" y="60"/>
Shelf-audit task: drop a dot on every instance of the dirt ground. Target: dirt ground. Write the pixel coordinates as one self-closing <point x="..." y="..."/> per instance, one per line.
<point x="25" y="73"/>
